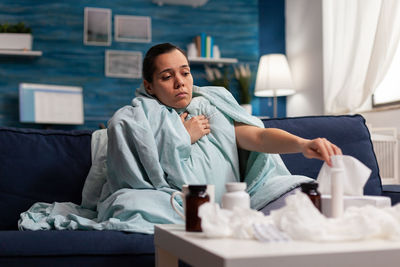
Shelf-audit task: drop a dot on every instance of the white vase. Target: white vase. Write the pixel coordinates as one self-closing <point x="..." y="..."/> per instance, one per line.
<point x="16" y="41"/>
<point x="247" y="107"/>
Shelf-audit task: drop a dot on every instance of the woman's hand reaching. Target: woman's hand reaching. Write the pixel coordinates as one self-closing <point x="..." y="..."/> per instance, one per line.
<point x="277" y="141"/>
<point x="320" y="148"/>
<point x="196" y="126"/>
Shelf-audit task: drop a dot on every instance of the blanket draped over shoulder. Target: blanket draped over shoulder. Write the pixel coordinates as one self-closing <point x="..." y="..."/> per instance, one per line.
<point x="146" y="154"/>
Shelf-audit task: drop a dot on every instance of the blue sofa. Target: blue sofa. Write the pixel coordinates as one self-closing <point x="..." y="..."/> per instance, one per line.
<point x="51" y="165"/>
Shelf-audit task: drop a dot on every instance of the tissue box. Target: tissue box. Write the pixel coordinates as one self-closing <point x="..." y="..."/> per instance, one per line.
<point x="358" y="201"/>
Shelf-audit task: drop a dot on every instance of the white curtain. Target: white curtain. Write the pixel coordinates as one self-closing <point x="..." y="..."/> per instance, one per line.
<point x="360" y="38"/>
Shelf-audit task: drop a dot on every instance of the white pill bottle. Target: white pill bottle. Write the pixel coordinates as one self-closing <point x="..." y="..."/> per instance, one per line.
<point x="235" y="196"/>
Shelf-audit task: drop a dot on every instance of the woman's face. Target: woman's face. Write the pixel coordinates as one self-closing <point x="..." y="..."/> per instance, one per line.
<point x="172" y="81"/>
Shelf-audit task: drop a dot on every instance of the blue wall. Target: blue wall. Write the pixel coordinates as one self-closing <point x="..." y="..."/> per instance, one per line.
<point x="58" y="32"/>
<point x="271" y="40"/>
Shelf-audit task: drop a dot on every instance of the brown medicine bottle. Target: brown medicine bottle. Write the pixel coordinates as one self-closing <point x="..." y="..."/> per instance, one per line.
<point x="197" y="196"/>
<point x="311" y="190"/>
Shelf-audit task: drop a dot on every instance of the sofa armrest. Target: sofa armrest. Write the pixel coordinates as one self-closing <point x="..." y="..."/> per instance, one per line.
<point x="392" y="191"/>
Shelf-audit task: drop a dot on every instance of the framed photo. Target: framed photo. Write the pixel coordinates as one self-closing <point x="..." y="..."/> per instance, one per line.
<point x="97" y="26"/>
<point x="123" y="64"/>
<point x="132" y="29"/>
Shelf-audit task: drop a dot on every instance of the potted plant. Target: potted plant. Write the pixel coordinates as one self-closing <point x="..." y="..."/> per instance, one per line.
<point x="216" y="78"/>
<point x="243" y="76"/>
<point x="15" y="36"/>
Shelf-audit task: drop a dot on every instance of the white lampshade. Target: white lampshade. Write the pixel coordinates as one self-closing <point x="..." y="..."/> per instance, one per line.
<point x="273" y="77"/>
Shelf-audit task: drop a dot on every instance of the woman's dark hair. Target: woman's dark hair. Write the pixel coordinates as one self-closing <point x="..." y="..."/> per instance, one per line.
<point x="149" y="67"/>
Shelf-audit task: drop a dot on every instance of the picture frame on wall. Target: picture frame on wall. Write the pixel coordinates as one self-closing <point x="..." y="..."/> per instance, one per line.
<point x="97" y="26"/>
<point x="123" y="64"/>
<point x="132" y="29"/>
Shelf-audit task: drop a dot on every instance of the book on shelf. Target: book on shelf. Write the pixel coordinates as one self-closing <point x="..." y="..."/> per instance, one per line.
<point x="204" y="45"/>
<point x="209" y="46"/>
<point x="197" y="42"/>
<point x="203" y="37"/>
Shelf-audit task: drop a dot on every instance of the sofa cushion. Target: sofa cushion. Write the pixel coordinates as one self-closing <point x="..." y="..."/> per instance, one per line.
<point x="40" y="165"/>
<point x="348" y="132"/>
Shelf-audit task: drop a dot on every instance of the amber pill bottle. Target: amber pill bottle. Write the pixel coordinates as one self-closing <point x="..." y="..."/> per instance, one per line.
<point x="311" y="190"/>
<point x="194" y="199"/>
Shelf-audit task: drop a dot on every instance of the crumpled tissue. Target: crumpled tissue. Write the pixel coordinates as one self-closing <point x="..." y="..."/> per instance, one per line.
<point x="236" y="223"/>
<point x="300" y="220"/>
<point x="355" y="174"/>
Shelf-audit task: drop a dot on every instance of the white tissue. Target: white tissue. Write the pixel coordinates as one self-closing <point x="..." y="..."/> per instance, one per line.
<point x="300" y="220"/>
<point x="355" y="174"/>
<point x="236" y="223"/>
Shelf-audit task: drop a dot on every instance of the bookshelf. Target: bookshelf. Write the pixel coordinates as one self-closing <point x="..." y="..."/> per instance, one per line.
<point x="30" y="53"/>
<point x="216" y="61"/>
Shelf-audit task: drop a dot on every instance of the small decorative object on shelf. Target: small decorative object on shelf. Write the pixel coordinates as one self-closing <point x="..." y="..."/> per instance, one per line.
<point x="15" y="37"/>
<point x="216" y="77"/>
<point x="243" y="76"/>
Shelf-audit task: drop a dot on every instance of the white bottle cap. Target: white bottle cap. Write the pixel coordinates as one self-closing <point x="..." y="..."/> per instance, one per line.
<point x="232" y="187"/>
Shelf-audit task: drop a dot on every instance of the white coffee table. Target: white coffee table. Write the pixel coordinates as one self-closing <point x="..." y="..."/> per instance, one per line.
<point x="172" y="242"/>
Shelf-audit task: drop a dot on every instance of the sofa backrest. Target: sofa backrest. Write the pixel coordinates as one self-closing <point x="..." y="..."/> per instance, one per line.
<point x="40" y="166"/>
<point x="348" y="132"/>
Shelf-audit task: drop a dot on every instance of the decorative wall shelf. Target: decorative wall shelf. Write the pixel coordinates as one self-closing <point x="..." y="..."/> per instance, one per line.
<point x="193" y="3"/>
<point x="218" y="61"/>
<point x="30" y="53"/>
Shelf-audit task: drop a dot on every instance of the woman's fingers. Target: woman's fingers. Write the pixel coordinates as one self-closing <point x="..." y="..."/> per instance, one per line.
<point x="323" y="149"/>
<point x="329" y="151"/>
<point x="197" y="126"/>
<point x="337" y="150"/>
<point x="183" y="116"/>
<point x="202" y="121"/>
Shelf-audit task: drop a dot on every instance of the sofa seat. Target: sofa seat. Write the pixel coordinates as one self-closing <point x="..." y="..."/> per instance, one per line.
<point x="49" y="248"/>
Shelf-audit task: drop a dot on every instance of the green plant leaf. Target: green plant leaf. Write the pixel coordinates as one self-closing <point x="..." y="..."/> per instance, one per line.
<point x="14" y="28"/>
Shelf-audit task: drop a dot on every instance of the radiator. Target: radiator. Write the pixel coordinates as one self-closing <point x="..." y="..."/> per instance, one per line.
<point x="385" y="142"/>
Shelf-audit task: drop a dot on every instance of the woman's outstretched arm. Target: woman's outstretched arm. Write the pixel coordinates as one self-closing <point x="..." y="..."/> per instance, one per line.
<point x="276" y="141"/>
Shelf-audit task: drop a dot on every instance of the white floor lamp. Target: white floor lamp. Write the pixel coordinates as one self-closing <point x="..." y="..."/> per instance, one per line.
<point x="273" y="78"/>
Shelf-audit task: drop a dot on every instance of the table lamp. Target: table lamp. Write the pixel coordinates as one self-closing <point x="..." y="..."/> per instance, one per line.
<point x="273" y="78"/>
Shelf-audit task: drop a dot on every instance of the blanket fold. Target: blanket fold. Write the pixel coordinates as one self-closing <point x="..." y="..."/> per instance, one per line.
<point x="146" y="154"/>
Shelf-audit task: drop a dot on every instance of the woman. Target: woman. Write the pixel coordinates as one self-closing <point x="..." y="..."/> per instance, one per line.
<point x="175" y="133"/>
<point x="167" y="78"/>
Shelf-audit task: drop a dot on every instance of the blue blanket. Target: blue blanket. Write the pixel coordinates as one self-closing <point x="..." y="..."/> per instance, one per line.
<point x="146" y="154"/>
